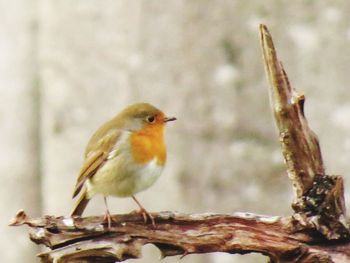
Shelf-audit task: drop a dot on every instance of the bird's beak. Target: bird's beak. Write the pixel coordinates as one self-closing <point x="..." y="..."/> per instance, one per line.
<point x="166" y="119"/>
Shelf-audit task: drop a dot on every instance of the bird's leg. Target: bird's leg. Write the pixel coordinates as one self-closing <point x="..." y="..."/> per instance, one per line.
<point x="107" y="217"/>
<point x="144" y="212"/>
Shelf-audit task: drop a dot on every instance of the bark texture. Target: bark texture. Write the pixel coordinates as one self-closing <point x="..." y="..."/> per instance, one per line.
<point x="319" y="200"/>
<point x="89" y="240"/>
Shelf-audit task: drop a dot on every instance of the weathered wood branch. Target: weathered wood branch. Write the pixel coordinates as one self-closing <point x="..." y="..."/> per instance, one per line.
<point x="300" y="145"/>
<point x="318" y="231"/>
<point x="87" y="239"/>
<point x="319" y="200"/>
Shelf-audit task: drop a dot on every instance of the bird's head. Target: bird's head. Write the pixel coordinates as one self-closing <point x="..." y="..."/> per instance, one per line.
<point x="143" y="117"/>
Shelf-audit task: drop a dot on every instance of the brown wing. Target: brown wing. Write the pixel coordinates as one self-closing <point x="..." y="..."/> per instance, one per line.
<point x="90" y="166"/>
<point x="96" y="154"/>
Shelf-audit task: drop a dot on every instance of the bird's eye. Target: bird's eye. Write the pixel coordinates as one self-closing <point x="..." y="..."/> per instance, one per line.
<point x="151" y="119"/>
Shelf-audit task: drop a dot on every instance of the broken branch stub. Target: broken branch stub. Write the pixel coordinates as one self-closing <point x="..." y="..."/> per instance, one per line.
<point x="300" y="145"/>
<point x="319" y="202"/>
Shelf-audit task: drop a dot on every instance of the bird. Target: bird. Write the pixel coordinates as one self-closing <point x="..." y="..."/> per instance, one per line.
<point x="126" y="155"/>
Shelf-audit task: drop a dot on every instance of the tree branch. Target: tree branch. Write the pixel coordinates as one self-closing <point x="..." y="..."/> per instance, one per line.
<point x="317" y="232"/>
<point x="175" y="234"/>
<point x="319" y="200"/>
<point x="300" y="145"/>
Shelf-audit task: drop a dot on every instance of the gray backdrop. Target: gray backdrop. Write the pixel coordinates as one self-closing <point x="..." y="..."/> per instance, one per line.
<point x="68" y="66"/>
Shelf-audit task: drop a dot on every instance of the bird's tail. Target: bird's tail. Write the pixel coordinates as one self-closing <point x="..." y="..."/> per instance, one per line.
<point x="80" y="205"/>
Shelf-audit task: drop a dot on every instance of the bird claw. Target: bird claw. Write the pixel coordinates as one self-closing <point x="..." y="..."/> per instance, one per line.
<point x="144" y="212"/>
<point x="107" y="219"/>
<point x="145" y="215"/>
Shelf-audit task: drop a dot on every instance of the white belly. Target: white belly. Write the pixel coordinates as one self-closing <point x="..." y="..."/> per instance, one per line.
<point x="118" y="177"/>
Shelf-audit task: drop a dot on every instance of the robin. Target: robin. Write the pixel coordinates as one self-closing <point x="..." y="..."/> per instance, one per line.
<point x="124" y="156"/>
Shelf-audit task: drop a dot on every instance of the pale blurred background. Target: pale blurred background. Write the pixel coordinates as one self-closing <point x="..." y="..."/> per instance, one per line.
<point x="68" y="66"/>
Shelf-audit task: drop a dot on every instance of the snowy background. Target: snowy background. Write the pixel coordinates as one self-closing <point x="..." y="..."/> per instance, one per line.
<point x="68" y="66"/>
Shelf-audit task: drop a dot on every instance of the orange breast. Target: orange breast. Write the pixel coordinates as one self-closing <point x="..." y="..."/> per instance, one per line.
<point x="148" y="144"/>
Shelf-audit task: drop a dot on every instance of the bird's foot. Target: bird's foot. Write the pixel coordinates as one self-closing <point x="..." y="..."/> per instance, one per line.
<point x="107" y="219"/>
<point x="145" y="214"/>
